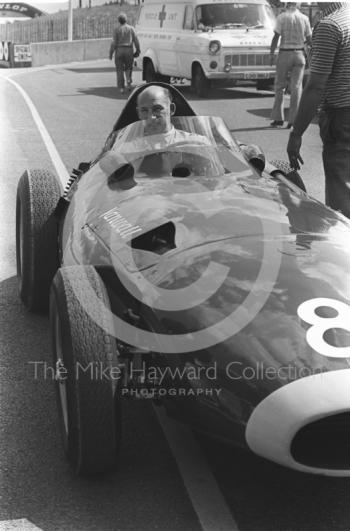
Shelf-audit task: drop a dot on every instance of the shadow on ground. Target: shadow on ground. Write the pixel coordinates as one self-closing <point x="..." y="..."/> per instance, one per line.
<point x="266" y="113"/>
<point x="215" y="93"/>
<point x="92" y="70"/>
<point x="103" y="92"/>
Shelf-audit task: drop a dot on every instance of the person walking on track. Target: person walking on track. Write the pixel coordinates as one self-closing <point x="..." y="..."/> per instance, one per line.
<point x="293" y="27"/>
<point x="124" y="40"/>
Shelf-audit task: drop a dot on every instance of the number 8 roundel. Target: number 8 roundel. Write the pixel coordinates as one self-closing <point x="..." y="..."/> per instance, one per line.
<point x="314" y="336"/>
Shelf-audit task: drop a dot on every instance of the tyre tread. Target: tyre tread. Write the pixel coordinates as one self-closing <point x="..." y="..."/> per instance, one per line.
<point x="97" y="436"/>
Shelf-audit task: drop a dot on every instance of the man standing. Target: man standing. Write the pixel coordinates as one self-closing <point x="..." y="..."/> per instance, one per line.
<point x="124" y="39"/>
<point x="329" y="85"/>
<point x="294" y="29"/>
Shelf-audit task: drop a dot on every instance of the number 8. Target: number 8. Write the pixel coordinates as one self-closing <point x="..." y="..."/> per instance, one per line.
<point x="314" y="336"/>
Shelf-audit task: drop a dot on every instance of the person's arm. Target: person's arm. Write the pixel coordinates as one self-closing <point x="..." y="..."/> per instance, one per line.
<point x="136" y="41"/>
<point x="273" y="46"/>
<point x="325" y="45"/>
<point x="308" y="32"/>
<point x="309" y="103"/>
<point x="113" y="45"/>
<point x="275" y="38"/>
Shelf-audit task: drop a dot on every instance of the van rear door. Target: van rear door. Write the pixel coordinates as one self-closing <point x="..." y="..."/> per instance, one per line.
<point x="186" y="46"/>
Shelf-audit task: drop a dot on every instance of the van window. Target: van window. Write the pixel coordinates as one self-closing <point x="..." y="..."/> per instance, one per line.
<point x="188" y="21"/>
<point x="234" y="15"/>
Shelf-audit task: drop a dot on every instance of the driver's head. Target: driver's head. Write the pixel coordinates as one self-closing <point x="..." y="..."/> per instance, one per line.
<point x="154" y="105"/>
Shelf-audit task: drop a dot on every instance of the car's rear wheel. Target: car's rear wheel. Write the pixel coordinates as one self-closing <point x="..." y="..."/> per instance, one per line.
<point x="199" y="83"/>
<point x="84" y="354"/>
<point x="288" y="172"/>
<point x="38" y="192"/>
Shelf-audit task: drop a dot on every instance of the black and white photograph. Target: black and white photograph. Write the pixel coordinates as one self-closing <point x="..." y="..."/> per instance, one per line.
<point x="174" y="265"/>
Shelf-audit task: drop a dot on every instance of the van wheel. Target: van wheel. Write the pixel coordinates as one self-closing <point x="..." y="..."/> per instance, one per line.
<point x="149" y="73"/>
<point x="264" y="84"/>
<point x="199" y="83"/>
<point x="163" y="78"/>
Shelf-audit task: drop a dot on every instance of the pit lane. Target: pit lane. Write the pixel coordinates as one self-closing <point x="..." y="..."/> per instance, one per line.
<point x="78" y="105"/>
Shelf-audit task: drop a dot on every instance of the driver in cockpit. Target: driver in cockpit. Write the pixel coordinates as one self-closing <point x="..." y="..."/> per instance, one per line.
<point x="155" y="107"/>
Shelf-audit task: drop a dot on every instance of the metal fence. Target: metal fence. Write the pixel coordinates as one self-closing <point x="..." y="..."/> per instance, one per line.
<point x="87" y="24"/>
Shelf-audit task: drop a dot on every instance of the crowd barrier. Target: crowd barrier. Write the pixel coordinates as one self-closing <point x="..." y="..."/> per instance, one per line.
<point x="53" y="53"/>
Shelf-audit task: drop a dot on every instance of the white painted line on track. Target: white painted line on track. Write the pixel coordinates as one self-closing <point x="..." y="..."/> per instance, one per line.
<point x="51" y="148"/>
<point x="21" y="525"/>
<point x="199" y="481"/>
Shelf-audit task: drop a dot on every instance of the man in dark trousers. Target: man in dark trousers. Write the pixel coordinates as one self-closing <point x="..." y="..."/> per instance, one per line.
<point x="329" y="85"/>
<point x="124" y="40"/>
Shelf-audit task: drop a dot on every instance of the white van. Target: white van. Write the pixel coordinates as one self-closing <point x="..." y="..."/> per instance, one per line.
<point x="206" y="41"/>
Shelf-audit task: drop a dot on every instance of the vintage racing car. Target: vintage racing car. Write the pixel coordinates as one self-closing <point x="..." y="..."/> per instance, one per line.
<point x="198" y="275"/>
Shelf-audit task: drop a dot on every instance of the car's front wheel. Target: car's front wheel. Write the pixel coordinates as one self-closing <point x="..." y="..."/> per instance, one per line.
<point x="38" y="192"/>
<point x="86" y="362"/>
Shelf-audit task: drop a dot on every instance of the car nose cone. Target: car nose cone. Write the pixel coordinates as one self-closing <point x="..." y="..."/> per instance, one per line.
<point x="311" y="413"/>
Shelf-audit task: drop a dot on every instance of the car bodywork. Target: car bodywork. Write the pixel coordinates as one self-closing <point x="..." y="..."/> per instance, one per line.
<point x="229" y="289"/>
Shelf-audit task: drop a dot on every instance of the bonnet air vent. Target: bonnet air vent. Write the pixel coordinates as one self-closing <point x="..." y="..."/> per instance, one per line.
<point x="159" y="240"/>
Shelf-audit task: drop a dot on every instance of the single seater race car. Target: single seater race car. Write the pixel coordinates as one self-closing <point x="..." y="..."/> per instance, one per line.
<point x="198" y="275"/>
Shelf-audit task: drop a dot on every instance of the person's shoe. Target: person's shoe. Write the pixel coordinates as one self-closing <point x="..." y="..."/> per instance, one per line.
<point x="289" y="126"/>
<point x="276" y="123"/>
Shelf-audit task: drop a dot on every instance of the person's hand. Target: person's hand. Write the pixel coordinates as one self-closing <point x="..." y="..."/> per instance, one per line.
<point x="272" y="59"/>
<point x="136" y="54"/>
<point x="293" y="150"/>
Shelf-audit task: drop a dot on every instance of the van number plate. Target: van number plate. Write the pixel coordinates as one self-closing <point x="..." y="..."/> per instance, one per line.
<point x="256" y="75"/>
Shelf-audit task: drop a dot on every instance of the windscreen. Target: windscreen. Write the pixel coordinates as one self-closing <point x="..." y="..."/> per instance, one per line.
<point x="193" y="147"/>
<point x="235" y="15"/>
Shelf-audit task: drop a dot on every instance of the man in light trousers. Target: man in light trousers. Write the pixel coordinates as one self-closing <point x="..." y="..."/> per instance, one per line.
<point x="293" y="27"/>
<point x="124" y="40"/>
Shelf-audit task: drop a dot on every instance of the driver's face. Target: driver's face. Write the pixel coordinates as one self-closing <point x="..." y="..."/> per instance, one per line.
<point x="155" y="108"/>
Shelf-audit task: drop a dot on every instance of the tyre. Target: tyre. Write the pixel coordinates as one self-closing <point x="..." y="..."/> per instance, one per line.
<point x="163" y="78"/>
<point x="38" y="192"/>
<point x="83" y="354"/>
<point x="199" y="83"/>
<point x="149" y="73"/>
<point x="290" y="174"/>
<point x="264" y="84"/>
